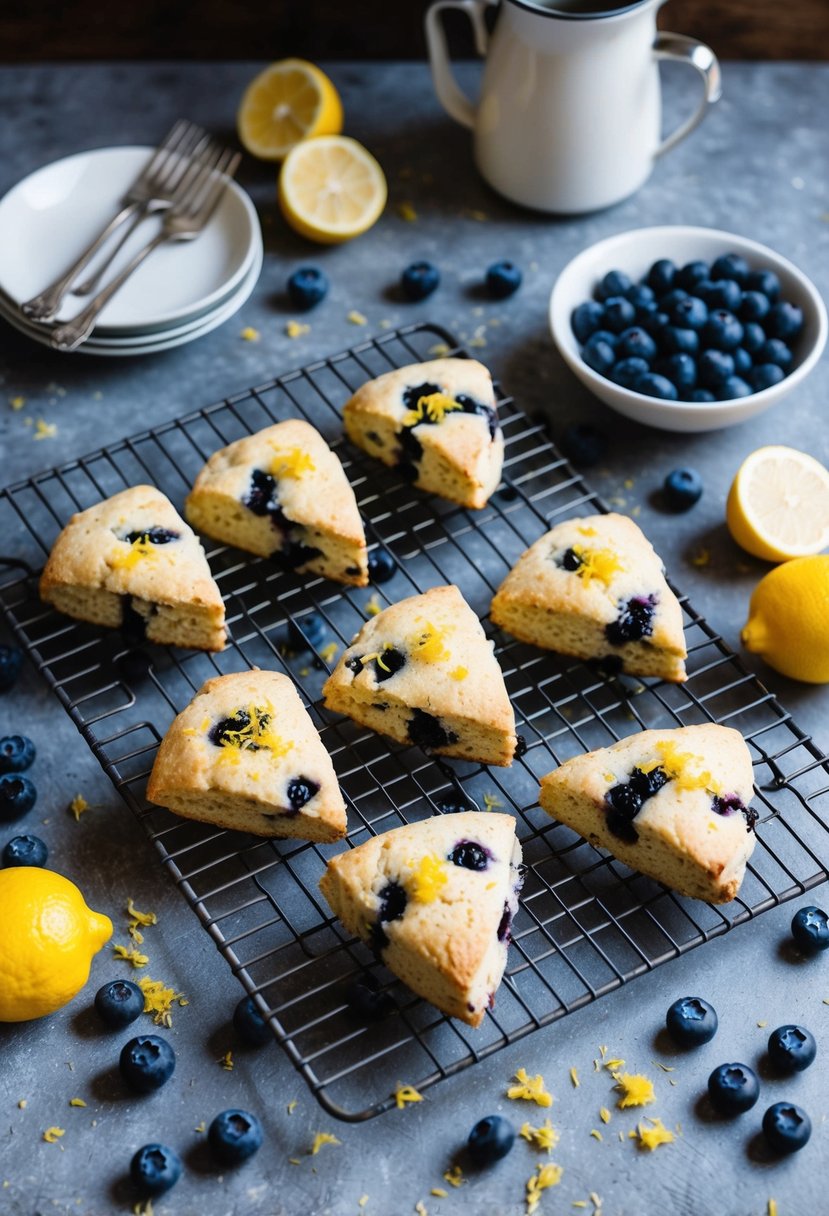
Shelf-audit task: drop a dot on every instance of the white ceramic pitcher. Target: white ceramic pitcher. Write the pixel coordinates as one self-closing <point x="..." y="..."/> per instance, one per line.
<point x="569" y="117"/>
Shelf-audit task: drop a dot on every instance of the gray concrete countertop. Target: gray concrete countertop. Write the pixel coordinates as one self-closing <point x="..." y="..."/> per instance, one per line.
<point x="758" y="167"/>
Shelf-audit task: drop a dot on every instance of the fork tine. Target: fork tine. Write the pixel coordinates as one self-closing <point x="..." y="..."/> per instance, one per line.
<point x="176" y="139"/>
<point x="199" y="173"/>
<point x="212" y="187"/>
<point x="176" y="161"/>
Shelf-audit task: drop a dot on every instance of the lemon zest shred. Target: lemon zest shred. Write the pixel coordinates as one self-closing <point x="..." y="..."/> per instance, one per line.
<point x="328" y="652"/>
<point x="297" y="329"/>
<point x="77" y="806"/>
<point x="227" y="1061"/>
<point x="544" y="1138"/>
<point x="664" y="1067"/>
<point x="407" y="212"/>
<point x="459" y="673"/>
<point x="292" y="1105"/>
<point x="158" y="1000"/>
<point x="44" y="430"/>
<point x="76" y="1102"/>
<point x="130" y="956"/>
<point x="433" y="407"/>
<point x="200" y="1127"/>
<point x="604" y="1114"/>
<point x="372" y="606"/>
<point x="320" y="1139"/>
<point x="574" y="1077"/>
<point x="651" y="1137"/>
<point x="142" y="918"/>
<point x="439" y="1192"/>
<point x="599" y="564"/>
<point x="454" y="1176"/>
<point x="614" y="1065"/>
<point x="291" y="462"/>
<point x="428" y="878"/>
<point x="356" y="318"/>
<point x="634" y="1089"/>
<point x="772" y="1207"/>
<point x="530" y="1089"/>
<point x="404" y="1095"/>
<point x="53" y="1134"/>
<point x="362" y="1201"/>
<point x="544" y="1177"/>
<point x="491" y="801"/>
<point x="596" y="1134"/>
<point x="249" y="334"/>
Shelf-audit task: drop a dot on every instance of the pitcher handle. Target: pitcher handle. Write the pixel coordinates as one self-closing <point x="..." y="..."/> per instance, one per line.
<point x="453" y="99"/>
<point x="680" y="49"/>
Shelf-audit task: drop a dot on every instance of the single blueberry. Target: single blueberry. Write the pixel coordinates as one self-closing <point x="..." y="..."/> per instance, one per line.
<point x="307" y="287"/>
<point x="25" y="851"/>
<point x="454" y="803"/>
<point x="714" y="367"/>
<point x="743" y="362"/>
<point x="307" y="633"/>
<point x="753" y="306"/>
<point x="619" y="314"/>
<point x="810" y="929"/>
<point x="368" y="1001"/>
<point x="774" y="350"/>
<point x="234" y="1136"/>
<point x="650" y="783"/>
<point x="765" y="281"/>
<point x="11" y="660"/>
<point x="146" y="1062"/>
<point x="119" y="1003"/>
<point x="673" y="340"/>
<point x="653" y="321"/>
<point x="733" y="1088"/>
<point x="388" y="663"/>
<point x="262" y="493"/>
<point x="154" y="1169"/>
<point x="426" y="731"/>
<point x="653" y="385"/>
<point x="725" y="294"/>
<point x="152" y="536"/>
<point x="586" y="319"/>
<point x="701" y="396"/>
<point x="627" y="370"/>
<point x="570" y="560"/>
<point x="641" y="296"/>
<point x="598" y="354"/>
<point x="614" y="283"/>
<point x="754" y="337"/>
<point x="469" y="856"/>
<point x="503" y="279"/>
<point x="787" y="1127"/>
<point x="792" y="1048"/>
<point x="691" y="1021"/>
<point x="660" y="278"/>
<point x="785" y="321"/>
<point x="667" y="301"/>
<point x="635" y="621"/>
<point x="249" y="1024"/>
<point x="636" y="343"/>
<point x="679" y="368"/>
<point x="300" y="791"/>
<point x="730" y="266"/>
<point x="17" y="797"/>
<point x="764" y="375"/>
<point x="490" y="1140"/>
<point x="733" y="388"/>
<point x="682" y="488"/>
<point x="690" y="313"/>
<point x="381" y="565"/>
<point x="583" y="444"/>
<point x="16" y="753"/>
<point x="419" y="280"/>
<point x="722" y="330"/>
<point x="691" y="274"/>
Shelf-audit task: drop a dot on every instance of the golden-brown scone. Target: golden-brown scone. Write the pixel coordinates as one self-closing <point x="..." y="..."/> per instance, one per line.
<point x="436" y="900"/>
<point x="437" y="422"/>
<point x="673" y="804"/>
<point x="245" y="755"/>
<point x="595" y="588"/>
<point x="282" y="493"/>
<point x="423" y="672"/>
<point x="132" y="562"/>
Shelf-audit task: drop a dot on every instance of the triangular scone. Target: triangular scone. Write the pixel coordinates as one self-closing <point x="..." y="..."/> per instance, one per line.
<point x="282" y="493"/>
<point x="595" y="588"/>
<point x="673" y="804"/>
<point x="435" y="900"/>
<point x="437" y="422"/>
<point x="245" y="755"/>
<point x="131" y="562"/>
<point x="422" y="671"/>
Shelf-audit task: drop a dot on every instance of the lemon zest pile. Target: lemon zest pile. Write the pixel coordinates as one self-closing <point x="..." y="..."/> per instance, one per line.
<point x="530" y="1089"/>
<point x="491" y="801"/>
<point x="320" y="1139"/>
<point x="454" y="1176"/>
<point x="328" y="652"/>
<point x="405" y="1094"/>
<point x="291" y="462"/>
<point x="459" y="673"/>
<point x="373" y="606"/>
<point x="227" y="1061"/>
<point x="600" y="564"/>
<point x="544" y="1177"/>
<point x="651" y="1137"/>
<point x="130" y="956"/>
<point x="158" y="1000"/>
<point x="44" y="430"/>
<point x="136" y="551"/>
<point x="428" y="643"/>
<point x="634" y="1089"/>
<point x="53" y="1134"/>
<point x="574" y="1077"/>
<point x="544" y="1137"/>
<point x="431" y="408"/>
<point x="428" y="878"/>
<point x="77" y="806"/>
<point x="76" y="1102"/>
<point x="258" y="733"/>
<point x="684" y="768"/>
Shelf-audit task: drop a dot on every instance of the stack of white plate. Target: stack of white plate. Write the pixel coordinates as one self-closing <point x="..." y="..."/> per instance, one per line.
<point x="183" y="290"/>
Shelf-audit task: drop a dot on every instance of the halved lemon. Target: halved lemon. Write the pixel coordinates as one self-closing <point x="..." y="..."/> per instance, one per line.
<point x="331" y="189"/>
<point x="290" y="101"/>
<point x="778" y="504"/>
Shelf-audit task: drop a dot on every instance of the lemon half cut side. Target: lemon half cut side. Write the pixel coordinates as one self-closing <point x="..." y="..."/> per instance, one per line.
<point x="289" y="101"/>
<point x="331" y="189"/>
<point x="778" y="504"/>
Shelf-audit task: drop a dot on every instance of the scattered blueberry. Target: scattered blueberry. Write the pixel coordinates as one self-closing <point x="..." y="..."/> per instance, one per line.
<point x="614" y="283"/>
<point x="381" y="566"/>
<point x="691" y="274"/>
<point x="637" y="343"/>
<point x="733" y="1088"/>
<point x="146" y="1062"/>
<point x="307" y="633"/>
<point x="730" y="266"/>
<point x="16" y="753"/>
<point x="586" y="319"/>
<point x="764" y="375"/>
<point x="627" y="370"/>
<point x="660" y="278"/>
<point x="776" y="351"/>
<point x="249" y="1024"/>
<point x="17" y="797"/>
<point x="754" y="306"/>
<point x="792" y="1048"/>
<point x="619" y="314"/>
<point x="234" y="1136"/>
<point x="119" y="1003"/>
<point x="490" y="1139"/>
<point x="653" y="385"/>
<point x="810" y="929"/>
<point x="368" y="1001"/>
<point x="583" y="444"/>
<point x="25" y="851"/>
<point x="690" y="313"/>
<point x="765" y="281"/>
<point x="674" y="340"/>
<point x="598" y="353"/>
<point x="469" y="856"/>
<point x="682" y="489"/>
<point x="419" y="280"/>
<point x="307" y="287"/>
<point x="11" y="660"/>
<point x="503" y="279"/>
<point x="691" y="1021"/>
<point x="787" y="1127"/>
<point x="154" y="1169"/>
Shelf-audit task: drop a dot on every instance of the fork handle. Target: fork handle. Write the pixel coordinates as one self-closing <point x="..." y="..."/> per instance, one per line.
<point x="44" y="306"/>
<point x="92" y="280"/>
<point x="74" y="332"/>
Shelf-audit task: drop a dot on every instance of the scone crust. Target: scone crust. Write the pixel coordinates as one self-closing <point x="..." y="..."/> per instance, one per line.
<point x="187" y="764"/>
<point x="683" y="842"/>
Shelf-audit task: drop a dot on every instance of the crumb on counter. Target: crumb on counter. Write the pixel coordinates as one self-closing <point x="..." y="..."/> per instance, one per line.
<point x="328" y="652"/>
<point x="454" y="1176"/>
<point x="320" y="1139"/>
<point x="292" y="1105"/>
<point x="405" y="1094"/>
<point x="605" y="1115"/>
<point x="356" y="318"/>
<point x="439" y="1192"/>
<point x="44" y="429"/>
<point x="574" y="1077"/>
<point x="491" y="801"/>
<point x="227" y="1061"/>
<point x="297" y="329"/>
<point x="439" y="350"/>
<point x="249" y="334"/>
<point x="23" y="1103"/>
<point x="77" y="806"/>
<point x="596" y="1134"/>
<point x="530" y="1089"/>
<point x="76" y="1102"/>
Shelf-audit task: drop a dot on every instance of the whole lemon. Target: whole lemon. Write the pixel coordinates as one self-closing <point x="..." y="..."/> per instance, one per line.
<point x="48" y="941"/>
<point x="788" y="619"/>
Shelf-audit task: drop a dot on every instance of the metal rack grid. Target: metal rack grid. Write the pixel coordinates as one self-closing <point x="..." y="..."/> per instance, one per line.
<point x="586" y="923"/>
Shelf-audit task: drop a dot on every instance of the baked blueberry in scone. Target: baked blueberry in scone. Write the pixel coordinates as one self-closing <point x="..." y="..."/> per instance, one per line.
<point x="435" y="900"/>
<point x="423" y="672"/>
<point x="437" y="423"/>
<point x="673" y="804"/>
<point x="244" y="754"/>
<point x="282" y="493"/>
<point x="131" y="562"/>
<point x="595" y="588"/>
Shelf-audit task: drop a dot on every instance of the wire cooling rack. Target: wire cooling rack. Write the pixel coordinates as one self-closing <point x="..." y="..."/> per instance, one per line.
<point x="586" y="924"/>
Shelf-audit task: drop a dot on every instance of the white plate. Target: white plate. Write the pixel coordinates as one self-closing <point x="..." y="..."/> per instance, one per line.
<point x="152" y="343"/>
<point x="49" y="217"/>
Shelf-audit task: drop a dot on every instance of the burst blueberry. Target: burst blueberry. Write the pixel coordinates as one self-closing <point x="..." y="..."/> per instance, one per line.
<point x="234" y="1136"/>
<point x="454" y="803"/>
<point x="11" y="660"/>
<point x="586" y="319"/>
<point x="691" y="1021"/>
<point x="733" y="1088"/>
<point x="16" y="753"/>
<point x="682" y="488"/>
<point x="147" y="1062"/>
<point x="583" y="444"/>
<point x="469" y="856"/>
<point x="490" y="1140"/>
<point x="503" y="279"/>
<point x="419" y="280"/>
<point x="300" y="791"/>
<point x="792" y="1048"/>
<point x="654" y="385"/>
<point x="787" y="1127"/>
<point x="635" y="621"/>
<point x="119" y="1003"/>
<point x="17" y="797"/>
<point x="154" y="1169"/>
<point x="784" y="321"/>
<point x="810" y="929"/>
<point x="619" y="314"/>
<point x="730" y="266"/>
<point x="307" y="287"/>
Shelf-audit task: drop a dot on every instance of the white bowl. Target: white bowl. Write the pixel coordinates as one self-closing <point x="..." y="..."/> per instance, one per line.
<point x="635" y="252"/>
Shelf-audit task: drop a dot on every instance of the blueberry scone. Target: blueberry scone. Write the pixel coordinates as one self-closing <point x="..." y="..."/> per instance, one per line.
<point x="283" y="493"/>
<point x="423" y="672"/>
<point x="132" y="563"/>
<point x="673" y="804"/>
<point x="435" y="900"/>
<point x="437" y="423"/>
<point x="244" y="754"/>
<point x="595" y="588"/>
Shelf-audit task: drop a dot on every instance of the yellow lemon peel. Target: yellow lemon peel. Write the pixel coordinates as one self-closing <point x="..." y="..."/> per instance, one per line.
<point x="292" y="462"/>
<point x="320" y="1139"/>
<point x="404" y="1095"/>
<point x="634" y="1089"/>
<point x="652" y="1137"/>
<point x="159" y="1000"/>
<point x="131" y="955"/>
<point x="530" y="1089"/>
<point x="53" y="1134"/>
<point x="429" y="877"/>
<point x="544" y="1138"/>
<point x="544" y="1177"/>
<point x="433" y="407"/>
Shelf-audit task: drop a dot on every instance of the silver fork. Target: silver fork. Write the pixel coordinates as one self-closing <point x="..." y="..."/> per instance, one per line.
<point x="196" y="201"/>
<point x="155" y="183"/>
